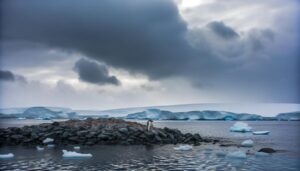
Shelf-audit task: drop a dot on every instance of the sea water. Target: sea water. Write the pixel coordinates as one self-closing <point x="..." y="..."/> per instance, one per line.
<point x="283" y="137"/>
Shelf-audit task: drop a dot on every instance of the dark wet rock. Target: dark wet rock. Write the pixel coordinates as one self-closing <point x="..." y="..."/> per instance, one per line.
<point x="267" y="150"/>
<point x="96" y="131"/>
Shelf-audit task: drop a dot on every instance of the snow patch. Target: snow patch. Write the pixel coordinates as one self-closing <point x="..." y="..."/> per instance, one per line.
<point x="48" y="140"/>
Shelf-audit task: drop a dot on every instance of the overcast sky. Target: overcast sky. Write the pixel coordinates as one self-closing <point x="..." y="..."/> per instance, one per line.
<point x="126" y="53"/>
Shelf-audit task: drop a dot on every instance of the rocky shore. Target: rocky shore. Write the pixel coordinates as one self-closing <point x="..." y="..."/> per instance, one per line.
<point x="96" y="131"/>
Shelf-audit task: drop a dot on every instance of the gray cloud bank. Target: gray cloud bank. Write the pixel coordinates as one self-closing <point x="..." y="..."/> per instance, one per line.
<point x="6" y="76"/>
<point x="150" y="37"/>
<point x="10" y="76"/>
<point x="94" y="73"/>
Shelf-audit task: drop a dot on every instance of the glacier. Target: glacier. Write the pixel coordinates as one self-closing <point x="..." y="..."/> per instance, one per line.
<point x="290" y="116"/>
<point x="47" y="113"/>
<point x="177" y="112"/>
<point x="157" y="114"/>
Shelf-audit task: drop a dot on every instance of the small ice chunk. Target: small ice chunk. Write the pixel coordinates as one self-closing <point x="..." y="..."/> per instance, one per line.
<point x="75" y="154"/>
<point x="237" y="155"/>
<point x="261" y="132"/>
<point x="261" y="154"/>
<point x="240" y="127"/>
<point x="40" y="148"/>
<point x="208" y="151"/>
<point x="221" y="153"/>
<point x="183" y="148"/>
<point x="76" y="148"/>
<point x="6" y="156"/>
<point x="247" y="143"/>
<point x="50" y="145"/>
<point x="48" y="140"/>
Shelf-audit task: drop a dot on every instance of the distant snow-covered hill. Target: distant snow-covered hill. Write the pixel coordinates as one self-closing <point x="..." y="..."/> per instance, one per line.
<point x="175" y="112"/>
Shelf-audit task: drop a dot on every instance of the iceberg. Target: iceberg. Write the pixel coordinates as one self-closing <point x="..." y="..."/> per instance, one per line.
<point x="261" y="132"/>
<point x="240" y="127"/>
<point x="48" y="140"/>
<point x="183" y="148"/>
<point x="50" y="145"/>
<point x="237" y="155"/>
<point x="73" y="154"/>
<point x="76" y="148"/>
<point x="6" y="156"/>
<point x="247" y="143"/>
<point x="40" y="148"/>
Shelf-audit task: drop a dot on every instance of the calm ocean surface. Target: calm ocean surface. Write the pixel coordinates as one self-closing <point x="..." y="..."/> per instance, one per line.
<point x="284" y="136"/>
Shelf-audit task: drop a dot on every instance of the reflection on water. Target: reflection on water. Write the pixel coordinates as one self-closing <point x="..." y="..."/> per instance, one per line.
<point x="284" y="135"/>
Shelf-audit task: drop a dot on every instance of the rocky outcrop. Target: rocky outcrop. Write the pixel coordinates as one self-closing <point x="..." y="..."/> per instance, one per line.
<point x="96" y="131"/>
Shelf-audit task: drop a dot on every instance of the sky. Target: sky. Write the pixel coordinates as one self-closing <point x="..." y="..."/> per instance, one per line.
<point x="128" y="53"/>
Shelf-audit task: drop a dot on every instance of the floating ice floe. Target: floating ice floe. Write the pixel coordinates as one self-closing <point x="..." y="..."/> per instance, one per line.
<point x="48" y="140"/>
<point x="183" y="148"/>
<point x="208" y="151"/>
<point x="76" y="148"/>
<point x="74" y="154"/>
<point x="240" y="127"/>
<point x="261" y="154"/>
<point x="261" y="132"/>
<point x="50" y="145"/>
<point x="6" y="156"/>
<point x="40" y="148"/>
<point x="247" y="143"/>
<point x="221" y="153"/>
<point x="237" y="155"/>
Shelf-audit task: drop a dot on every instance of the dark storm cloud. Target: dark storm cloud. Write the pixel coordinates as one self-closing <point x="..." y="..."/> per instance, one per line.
<point x="95" y="73"/>
<point x="10" y="76"/>
<point x="222" y="30"/>
<point x="136" y="35"/>
<point x="149" y="37"/>
<point x="6" y="76"/>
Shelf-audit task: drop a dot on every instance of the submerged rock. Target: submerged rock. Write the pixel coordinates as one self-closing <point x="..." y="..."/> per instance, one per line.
<point x="267" y="150"/>
<point x="95" y="131"/>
